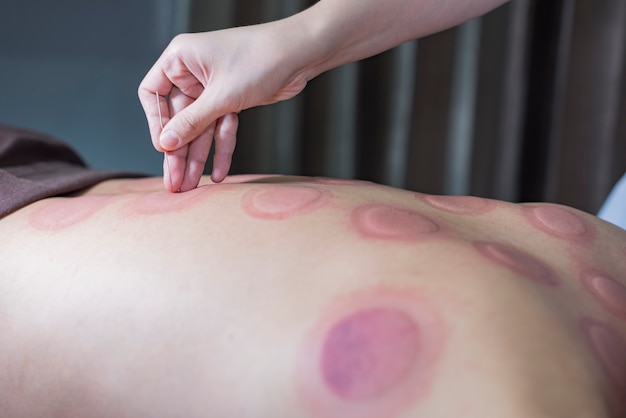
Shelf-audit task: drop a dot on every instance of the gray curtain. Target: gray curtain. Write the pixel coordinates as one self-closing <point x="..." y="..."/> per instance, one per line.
<point x="523" y="104"/>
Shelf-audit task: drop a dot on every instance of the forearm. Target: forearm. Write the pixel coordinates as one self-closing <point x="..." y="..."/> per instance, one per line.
<point x="343" y="31"/>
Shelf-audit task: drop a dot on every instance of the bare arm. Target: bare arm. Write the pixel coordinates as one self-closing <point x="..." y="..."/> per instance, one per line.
<point x="211" y="76"/>
<point x="350" y="30"/>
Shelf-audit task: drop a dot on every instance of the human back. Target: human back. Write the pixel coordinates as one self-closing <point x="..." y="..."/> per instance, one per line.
<point x="291" y="296"/>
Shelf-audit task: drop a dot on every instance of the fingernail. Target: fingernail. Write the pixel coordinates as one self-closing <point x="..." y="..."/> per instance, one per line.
<point x="216" y="174"/>
<point x="169" y="140"/>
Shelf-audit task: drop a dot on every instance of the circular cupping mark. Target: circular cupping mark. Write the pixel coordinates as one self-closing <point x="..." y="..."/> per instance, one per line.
<point x="281" y="202"/>
<point x="389" y="222"/>
<point x="369" y="352"/>
<point x="61" y="213"/>
<point x="606" y="290"/>
<point x="610" y="350"/>
<point x="517" y="261"/>
<point x="460" y="205"/>
<point x="557" y="221"/>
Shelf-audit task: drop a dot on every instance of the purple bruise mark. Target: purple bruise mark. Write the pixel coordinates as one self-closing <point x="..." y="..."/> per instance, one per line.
<point x="518" y="261"/>
<point x="369" y="352"/>
<point x="389" y="222"/>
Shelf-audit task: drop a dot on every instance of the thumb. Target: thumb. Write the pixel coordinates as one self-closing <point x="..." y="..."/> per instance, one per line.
<point x="188" y="124"/>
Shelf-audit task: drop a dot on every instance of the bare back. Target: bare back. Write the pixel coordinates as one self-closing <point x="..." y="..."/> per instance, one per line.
<point x="274" y="296"/>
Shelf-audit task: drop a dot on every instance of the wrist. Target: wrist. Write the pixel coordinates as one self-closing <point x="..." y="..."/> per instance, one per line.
<point x="332" y="34"/>
<point x="302" y="45"/>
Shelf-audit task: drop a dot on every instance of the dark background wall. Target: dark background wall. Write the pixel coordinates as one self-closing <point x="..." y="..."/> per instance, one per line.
<point x="71" y="68"/>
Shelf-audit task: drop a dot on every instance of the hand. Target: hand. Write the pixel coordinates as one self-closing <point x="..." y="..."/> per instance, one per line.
<point x="209" y="78"/>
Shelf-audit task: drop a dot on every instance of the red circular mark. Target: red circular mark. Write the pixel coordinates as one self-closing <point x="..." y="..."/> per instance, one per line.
<point x="157" y="203"/>
<point x="610" y="349"/>
<point x="557" y="221"/>
<point x="368" y="352"/>
<point x="462" y="205"/>
<point x="609" y="292"/>
<point x="281" y="202"/>
<point x="518" y="261"/>
<point x="59" y="213"/>
<point x="389" y="222"/>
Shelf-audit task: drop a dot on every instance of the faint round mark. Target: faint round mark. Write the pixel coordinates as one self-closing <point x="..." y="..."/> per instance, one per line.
<point x="556" y="221"/>
<point x="461" y="205"/>
<point x="606" y="290"/>
<point x="281" y="202"/>
<point x="610" y="350"/>
<point x="390" y="222"/>
<point x="63" y="212"/>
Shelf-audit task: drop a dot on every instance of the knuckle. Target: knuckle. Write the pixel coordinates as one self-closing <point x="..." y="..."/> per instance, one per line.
<point x="179" y="38"/>
<point x="140" y="91"/>
<point x="225" y="147"/>
<point x="177" y="44"/>
<point x="199" y="158"/>
<point x="230" y="131"/>
<point x="225" y="142"/>
<point x="174" y="51"/>
<point x="174" y="43"/>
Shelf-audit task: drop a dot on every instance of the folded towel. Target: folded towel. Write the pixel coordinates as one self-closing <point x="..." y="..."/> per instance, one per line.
<point x="34" y="166"/>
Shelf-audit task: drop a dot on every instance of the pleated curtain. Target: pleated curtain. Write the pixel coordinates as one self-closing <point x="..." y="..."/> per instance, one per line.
<point x="523" y="104"/>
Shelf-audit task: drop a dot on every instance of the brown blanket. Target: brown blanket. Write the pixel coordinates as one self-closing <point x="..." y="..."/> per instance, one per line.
<point x="34" y="166"/>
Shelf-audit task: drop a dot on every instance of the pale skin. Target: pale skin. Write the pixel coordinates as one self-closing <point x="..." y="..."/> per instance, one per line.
<point x="299" y="297"/>
<point x="210" y="77"/>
